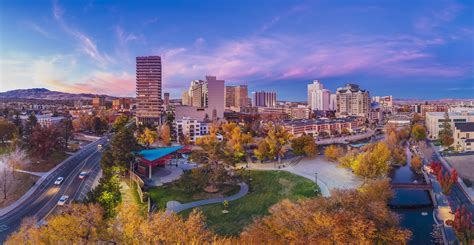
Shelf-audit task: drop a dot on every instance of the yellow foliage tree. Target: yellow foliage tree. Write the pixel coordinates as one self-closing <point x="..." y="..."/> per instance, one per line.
<point x="148" y="137"/>
<point x="332" y="152"/>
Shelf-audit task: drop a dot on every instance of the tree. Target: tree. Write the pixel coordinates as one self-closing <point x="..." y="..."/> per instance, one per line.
<point x="373" y="163"/>
<point x="416" y="118"/>
<point x="98" y="125"/>
<point x="346" y="217"/>
<point x="416" y="163"/>
<point x="122" y="145"/>
<point x="120" y="122"/>
<point x="107" y="194"/>
<point x="148" y="137"/>
<point x="236" y="142"/>
<point x="66" y="128"/>
<point x="418" y="132"/>
<point x="446" y="133"/>
<point x="165" y="134"/>
<point x="78" y="223"/>
<point x="7" y="130"/>
<point x="30" y="125"/>
<point x="44" y="140"/>
<point x="262" y="151"/>
<point x="332" y="152"/>
<point x="462" y="225"/>
<point x="277" y="138"/>
<point x="304" y="145"/>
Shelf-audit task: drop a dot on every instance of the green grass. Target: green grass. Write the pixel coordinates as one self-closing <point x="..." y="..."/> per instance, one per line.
<point x="268" y="188"/>
<point x="169" y="192"/>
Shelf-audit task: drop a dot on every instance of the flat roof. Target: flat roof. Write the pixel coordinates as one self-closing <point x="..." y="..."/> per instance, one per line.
<point x="153" y="154"/>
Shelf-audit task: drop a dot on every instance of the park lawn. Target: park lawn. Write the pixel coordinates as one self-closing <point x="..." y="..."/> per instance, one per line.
<point x="268" y="188"/>
<point x="44" y="165"/>
<point x="172" y="192"/>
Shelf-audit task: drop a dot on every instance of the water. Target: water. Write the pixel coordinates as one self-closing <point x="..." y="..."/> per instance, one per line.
<point x="410" y="204"/>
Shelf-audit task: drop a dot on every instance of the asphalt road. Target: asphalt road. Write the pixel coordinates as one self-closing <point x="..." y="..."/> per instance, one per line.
<point x="43" y="201"/>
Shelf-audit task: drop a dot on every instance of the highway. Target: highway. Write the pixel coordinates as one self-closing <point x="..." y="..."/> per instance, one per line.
<point x="43" y="201"/>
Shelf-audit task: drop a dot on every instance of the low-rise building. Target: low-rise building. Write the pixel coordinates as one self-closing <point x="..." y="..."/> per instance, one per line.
<point x="434" y="121"/>
<point x="316" y="127"/>
<point x="193" y="128"/>
<point x="463" y="135"/>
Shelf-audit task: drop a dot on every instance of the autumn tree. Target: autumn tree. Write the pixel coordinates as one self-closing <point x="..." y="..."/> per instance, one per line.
<point x="235" y="141"/>
<point x="120" y="122"/>
<point x="333" y="152"/>
<point x="418" y="132"/>
<point x="148" y="137"/>
<point x="44" y="140"/>
<point x="346" y="217"/>
<point x="462" y="225"/>
<point x="416" y="118"/>
<point x="261" y="152"/>
<point x="373" y="163"/>
<point x="6" y="130"/>
<point x="416" y="163"/>
<point x="165" y="134"/>
<point x="77" y="223"/>
<point x="304" y="145"/>
<point x="277" y="138"/>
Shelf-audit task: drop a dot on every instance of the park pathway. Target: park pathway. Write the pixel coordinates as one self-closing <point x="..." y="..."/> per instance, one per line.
<point x="175" y="206"/>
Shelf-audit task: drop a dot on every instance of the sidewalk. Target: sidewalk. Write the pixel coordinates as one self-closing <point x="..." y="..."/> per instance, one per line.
<point x="174" y="206"/>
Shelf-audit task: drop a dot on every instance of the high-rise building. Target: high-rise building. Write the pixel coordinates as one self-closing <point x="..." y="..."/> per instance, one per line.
<point x="318" y="97"/>
<point x="98" y="102"/>
<point x="332" y="102"/>
<point x="352" y="101"/>
<point x="166" y="100"/>
<point x="264" y="99"/>
<point x="149" y="90"/>
<point x="205" y="99"/>
<point x="236" y="96"/>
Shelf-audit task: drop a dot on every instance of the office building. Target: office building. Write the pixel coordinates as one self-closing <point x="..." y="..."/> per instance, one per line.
<point x="264" y="99"/>
<point x="318" y="97"/>
<point x="332" y="102"/>
<point x="463" y="135"/>
<point x="206" y="100"/>
<point x="121" y="104"/>
<point x="434" y="121"/>
<point x="352" y="101"/>
<point x="236" y="96"/>
<point x="149" y="103"/>
<point x="98" y="102"/>
<point x="166" y="100"/>
<point x="385" y="102"/>
<point x="433" y="108"/>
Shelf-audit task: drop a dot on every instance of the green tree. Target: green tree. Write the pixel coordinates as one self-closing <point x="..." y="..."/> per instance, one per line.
<point x="66" y="128"/>
<point x="122" y="145"/>
<point x="446" y="133"/>
<point x="120" y="122"/>
<point x="418" y="132"/>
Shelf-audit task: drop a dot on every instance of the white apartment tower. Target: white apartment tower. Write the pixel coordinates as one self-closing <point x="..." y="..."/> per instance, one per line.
<point x="318" y="97"/>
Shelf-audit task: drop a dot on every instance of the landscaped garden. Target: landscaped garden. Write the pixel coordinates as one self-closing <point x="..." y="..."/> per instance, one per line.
<point x="266" y="189"/>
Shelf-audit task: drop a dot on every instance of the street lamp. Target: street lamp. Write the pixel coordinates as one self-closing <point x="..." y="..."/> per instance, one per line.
<point x="316" y="182"/>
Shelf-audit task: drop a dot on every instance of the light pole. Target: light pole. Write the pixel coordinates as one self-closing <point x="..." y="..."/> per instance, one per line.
<point x="316" y="182"/>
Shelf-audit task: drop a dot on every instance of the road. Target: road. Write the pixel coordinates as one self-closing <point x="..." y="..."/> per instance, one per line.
<point x="43" y="201"/>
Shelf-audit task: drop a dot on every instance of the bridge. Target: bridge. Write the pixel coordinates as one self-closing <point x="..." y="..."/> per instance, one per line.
<point x="412" y="186"/>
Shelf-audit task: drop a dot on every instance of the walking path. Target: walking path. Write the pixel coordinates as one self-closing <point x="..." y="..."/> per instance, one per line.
<point x="39" y="174"/>
<point x="345" y="139"/>
<point x="174" y="206"/>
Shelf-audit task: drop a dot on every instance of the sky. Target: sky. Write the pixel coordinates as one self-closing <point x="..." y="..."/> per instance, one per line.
<point x="408" y="49"/>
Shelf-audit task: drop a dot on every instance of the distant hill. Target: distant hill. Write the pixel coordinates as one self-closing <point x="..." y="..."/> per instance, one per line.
<point x="45" y="94"/>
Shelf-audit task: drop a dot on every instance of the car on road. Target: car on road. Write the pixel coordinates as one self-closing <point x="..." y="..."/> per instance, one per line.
<point x="83" y="175"/>
<point x="99" y="146"/>
<point x="59" y="180"/>
<point x="63" y="200"/>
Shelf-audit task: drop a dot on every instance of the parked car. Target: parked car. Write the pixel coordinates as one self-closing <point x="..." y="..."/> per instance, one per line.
<point x="63" y="200"/>
<point x="83" y="175"/>
<point x="59" y="180"/>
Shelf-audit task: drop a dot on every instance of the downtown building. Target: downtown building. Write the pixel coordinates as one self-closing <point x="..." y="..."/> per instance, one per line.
<point x="236" y="97"/>
<point x="149" y="103"/>
<point x="319" y="98"/>
<point x="264" y="99"/>
<point x="352" y="101"/>
<point x="204" y="100"/>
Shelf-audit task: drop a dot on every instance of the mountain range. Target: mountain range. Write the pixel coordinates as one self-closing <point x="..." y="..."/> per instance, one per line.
<point x="46" y="94"/>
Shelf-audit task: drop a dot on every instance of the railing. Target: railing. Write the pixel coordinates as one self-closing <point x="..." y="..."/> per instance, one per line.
<point x="411" y="186"/>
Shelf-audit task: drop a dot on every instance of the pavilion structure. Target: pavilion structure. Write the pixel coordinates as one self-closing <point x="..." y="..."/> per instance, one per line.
<point x="151" y="159"/>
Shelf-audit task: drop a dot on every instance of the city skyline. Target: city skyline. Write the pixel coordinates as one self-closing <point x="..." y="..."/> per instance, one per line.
<point x="91" y="47"/>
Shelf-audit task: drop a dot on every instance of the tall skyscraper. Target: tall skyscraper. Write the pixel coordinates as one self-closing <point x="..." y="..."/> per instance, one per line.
<point x="149" y="90"/>
<point x="264" y="99"/>
<point x="352" y="101"/>
<point x="166" y="99"/>
<point x="236" y="96"/>
<point x="318" y="96"/>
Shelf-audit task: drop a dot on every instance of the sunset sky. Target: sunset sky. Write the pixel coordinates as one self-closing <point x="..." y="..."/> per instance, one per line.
<point x="409" y="49"/>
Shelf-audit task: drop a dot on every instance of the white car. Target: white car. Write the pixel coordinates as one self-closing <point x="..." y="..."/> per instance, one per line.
<point x="59" y="180"/>
<point x="63" y="200"/>
<point x="83" y="175"/>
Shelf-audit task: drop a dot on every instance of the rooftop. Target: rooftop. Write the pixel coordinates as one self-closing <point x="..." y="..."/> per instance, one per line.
<point x="153" y="154"/>
<point x="465" y="126"/>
